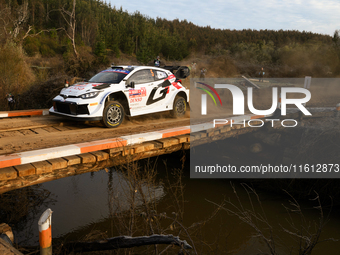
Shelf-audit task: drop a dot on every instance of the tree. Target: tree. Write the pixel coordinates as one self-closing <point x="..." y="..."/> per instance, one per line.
<point x="13" y="20"/>
<point x="336" y="41"/>
<point x="144" y="54"/>
<point x="70" y="19"/>
<point x="100" y="50"/>
<point x="336" y="38"/>
<point x="22" y="17"/>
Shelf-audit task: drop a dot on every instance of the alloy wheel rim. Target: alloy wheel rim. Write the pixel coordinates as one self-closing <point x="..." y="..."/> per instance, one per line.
<point x="180" y="107"/>
<point x="114" y="114"/>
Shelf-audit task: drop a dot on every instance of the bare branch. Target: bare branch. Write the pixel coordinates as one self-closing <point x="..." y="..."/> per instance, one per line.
<point x="306" y="236"/>
<point x="185" y="230"/>
<point x="36" y="34"/>
<point x="70" y="19"/>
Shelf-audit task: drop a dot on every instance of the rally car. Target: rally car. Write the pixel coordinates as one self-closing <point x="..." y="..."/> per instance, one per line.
<point x="124" y="90"/>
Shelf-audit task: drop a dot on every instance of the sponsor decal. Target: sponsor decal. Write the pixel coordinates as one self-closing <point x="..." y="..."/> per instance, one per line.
<point x="176" y="85"/>
<point x="161" y="75"/>
<point x="162" y="94"/>
<point x="116" y="71"/>
<point x="135" y="100"/>
<point x="171" y="78"/>
<point x="137" y="92"/>
<point x="78" y="87"/>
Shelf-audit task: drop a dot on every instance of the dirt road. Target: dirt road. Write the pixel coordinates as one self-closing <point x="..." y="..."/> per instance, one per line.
<point x="31" y="133"/>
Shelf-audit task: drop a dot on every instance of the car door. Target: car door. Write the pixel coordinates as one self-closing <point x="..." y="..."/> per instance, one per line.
<point x="150" y="92"/>
<point x="160" y="91"/>
<point x="144" y="82"/>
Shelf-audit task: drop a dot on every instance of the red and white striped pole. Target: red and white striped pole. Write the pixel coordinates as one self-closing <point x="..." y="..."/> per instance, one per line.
<point x="45" y="232"/>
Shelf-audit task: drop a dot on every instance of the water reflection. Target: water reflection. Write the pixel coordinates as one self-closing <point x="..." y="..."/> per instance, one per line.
<point x="80" y="201"/>
<point x="21" y="208"/>
<point x="100" y="201"/>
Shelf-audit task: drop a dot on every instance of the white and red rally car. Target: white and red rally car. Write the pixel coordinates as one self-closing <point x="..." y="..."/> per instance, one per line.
<point x="124" y="90"/>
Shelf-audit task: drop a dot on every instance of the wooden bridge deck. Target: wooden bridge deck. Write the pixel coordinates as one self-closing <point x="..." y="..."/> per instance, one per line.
<point x="34" y="167"/>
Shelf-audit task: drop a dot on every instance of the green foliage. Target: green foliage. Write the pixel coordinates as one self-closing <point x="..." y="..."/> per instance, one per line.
<point x="47" y="51"/>
<point x="31" y="46"/>
<point x="46" y="45"/>
<point x="106" y="29"/>
<point x="54" y="34"/>
<point x="144" y="54"/>
<point x="136" y="34"/>
<point x="101" y="52"/>
<point x="79" y="66"/>
<point x="100" y="49"/>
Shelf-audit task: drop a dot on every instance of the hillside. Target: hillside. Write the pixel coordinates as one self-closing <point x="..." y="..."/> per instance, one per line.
<point x="47" y="41"/>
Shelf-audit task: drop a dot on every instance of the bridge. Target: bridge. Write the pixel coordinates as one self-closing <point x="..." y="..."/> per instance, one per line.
<point x="25" y="168"/>
<point x="38" y="165"/>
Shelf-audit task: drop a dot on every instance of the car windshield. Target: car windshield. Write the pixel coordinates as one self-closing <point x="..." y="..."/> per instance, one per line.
<point x="108" y="77"/>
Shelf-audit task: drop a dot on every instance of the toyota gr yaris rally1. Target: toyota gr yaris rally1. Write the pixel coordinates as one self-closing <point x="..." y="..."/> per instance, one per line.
<point x="124" y="90"/>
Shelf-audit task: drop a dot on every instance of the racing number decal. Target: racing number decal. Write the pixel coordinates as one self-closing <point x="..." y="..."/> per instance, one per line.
<point x="151" y="99"/>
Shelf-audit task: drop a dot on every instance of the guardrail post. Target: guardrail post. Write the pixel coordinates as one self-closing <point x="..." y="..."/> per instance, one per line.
<point x="45" y="232"/>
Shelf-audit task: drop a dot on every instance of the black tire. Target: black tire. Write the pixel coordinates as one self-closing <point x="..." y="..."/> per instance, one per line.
<point x="113" y="114"/>
<point x="179" y="107"/>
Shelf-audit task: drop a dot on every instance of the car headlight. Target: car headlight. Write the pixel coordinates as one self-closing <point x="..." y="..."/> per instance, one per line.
<point x="90" y="95"/>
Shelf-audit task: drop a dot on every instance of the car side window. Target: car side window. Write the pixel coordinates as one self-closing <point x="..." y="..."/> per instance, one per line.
<point x="159" y="75"/>
<point x="143" y="76"/>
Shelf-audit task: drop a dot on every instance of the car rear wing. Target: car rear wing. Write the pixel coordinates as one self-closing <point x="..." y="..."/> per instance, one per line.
<point x="182" y="72"/>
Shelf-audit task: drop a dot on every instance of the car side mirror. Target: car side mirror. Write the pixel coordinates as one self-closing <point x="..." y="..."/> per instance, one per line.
<point x="182" y="72"/>
<point x="131" y="85"/>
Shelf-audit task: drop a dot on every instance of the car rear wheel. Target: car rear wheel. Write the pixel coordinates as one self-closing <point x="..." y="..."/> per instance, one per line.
<point x="179" y="107"/>
<point x="113" y="114"/>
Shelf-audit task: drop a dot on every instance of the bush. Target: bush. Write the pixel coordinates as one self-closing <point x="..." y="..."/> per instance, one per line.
<point x="16" y="75"/>
<point x="79" y="66"/>
<point x="46" y="51"/>
<point x="46" y="45"/>
<point x="31" y="46"/>
<point x="43" y="93"/>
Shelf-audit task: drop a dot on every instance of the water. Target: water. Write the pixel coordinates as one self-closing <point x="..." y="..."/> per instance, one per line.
<point x="97" y="202"/>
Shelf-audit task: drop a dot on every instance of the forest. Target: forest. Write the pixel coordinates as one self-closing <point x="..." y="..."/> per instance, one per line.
<point x="42" y="40"/>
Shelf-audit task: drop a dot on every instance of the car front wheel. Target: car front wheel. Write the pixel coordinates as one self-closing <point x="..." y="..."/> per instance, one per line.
<point x="113" y="114"/>
<point x="179" y="107"/>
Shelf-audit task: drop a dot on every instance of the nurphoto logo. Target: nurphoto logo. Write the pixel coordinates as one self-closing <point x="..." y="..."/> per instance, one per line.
<point x="238" y="99"/>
